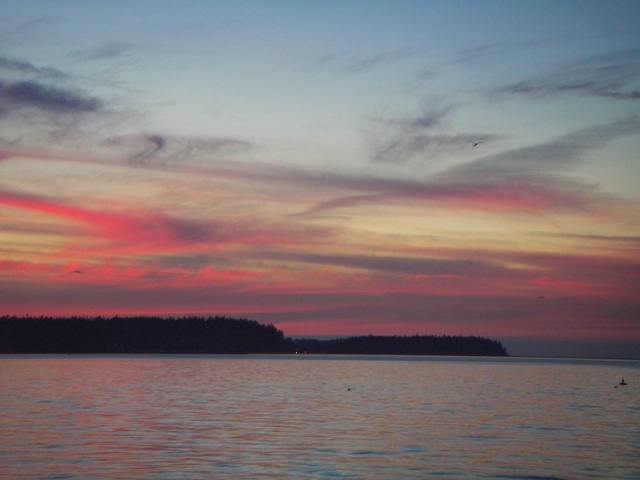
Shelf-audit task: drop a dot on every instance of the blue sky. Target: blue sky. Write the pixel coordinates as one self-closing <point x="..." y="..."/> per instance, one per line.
<point x="331" y="167"/>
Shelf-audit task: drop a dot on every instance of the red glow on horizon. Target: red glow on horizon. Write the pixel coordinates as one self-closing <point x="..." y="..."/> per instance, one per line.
<point x="308" y="276"/>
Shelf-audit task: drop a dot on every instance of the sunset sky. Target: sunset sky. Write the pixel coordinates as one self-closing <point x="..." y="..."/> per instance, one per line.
<point x="331" y="167"/>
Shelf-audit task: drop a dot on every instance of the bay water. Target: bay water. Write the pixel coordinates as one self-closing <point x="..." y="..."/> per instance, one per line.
<point x="304" y="417"/>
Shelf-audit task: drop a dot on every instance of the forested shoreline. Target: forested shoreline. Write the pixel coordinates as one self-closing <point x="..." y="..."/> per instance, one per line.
<point x="405" y="345"/>
<point x="210" y="335"/>
<point x="219" y="335"/>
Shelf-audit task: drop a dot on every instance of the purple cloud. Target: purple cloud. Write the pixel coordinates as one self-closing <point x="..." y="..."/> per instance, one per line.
<point x="46" y="97"/>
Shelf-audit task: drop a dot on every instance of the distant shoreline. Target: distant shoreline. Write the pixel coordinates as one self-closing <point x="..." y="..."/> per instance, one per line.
<point x="211" y="335"/>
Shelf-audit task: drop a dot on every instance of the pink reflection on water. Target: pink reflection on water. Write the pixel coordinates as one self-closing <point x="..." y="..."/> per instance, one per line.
<point x="309" y="417"/>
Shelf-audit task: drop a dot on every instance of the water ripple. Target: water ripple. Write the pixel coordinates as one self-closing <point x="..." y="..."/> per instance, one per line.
<point x="278" y="417"/>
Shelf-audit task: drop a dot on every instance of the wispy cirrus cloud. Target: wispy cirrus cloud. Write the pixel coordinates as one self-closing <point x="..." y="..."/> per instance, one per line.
<point x="421" y="137"/>
<point x="155" y="144"/>
<point x="515" y="195"/>
<point x="378" y="59"/>
<point x="614" y="239"/>
<point x="553" y="156"/>
<point x="529" y="179"/>
<point x="104" y="51"/>
<point x="396" y="264"/>
<point x="21" y="67"/>
<point x="41" y="106"/>
<point x="424" y="145"/>
<point x="141" y="148"/>
<point x="535" y="178"/>
<point x="358" y="65"/>
<point x="614" y="75"/>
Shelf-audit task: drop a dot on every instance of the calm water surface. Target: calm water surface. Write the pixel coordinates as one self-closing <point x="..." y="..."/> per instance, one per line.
<point x="88" y="417"/>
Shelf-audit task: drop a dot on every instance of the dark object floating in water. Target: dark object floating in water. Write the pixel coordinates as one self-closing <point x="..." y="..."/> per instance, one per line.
<point x="622" y="382"/>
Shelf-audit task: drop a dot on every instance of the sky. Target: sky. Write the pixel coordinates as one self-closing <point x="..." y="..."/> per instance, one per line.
<point x="332" y="168"/>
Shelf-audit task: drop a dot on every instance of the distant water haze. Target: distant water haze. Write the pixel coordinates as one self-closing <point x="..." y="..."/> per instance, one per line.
<point x="573" y="349"/>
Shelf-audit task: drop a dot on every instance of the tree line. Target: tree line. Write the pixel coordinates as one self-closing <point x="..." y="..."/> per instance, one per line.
<point x="405" y="345"/>
<point x="219" y="335"/>
<point x="210" y="335"/>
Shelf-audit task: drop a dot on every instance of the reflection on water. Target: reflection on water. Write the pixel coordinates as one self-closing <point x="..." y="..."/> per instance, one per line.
<point x="316" y="417"/>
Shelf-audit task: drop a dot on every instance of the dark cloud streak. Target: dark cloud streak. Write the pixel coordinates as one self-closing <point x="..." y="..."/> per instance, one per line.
<point x="171" y="148"/>
<point x="46" y="97"/>
<point x="156" y="143"/>
<point x="378" y="59"/>
<point x="632" y="240"/>
<point x="22" y="67"/>
<point x="615" y="75"/>
<point x="554" y="156"/>
<point x="422" y="136"/>
<point x="103" y="52"/>
<point x="405" y="265"/>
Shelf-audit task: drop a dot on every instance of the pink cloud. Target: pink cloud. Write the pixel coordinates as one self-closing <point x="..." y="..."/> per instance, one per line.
<point x="255" y="257"/>
<point x="117" y="232"/>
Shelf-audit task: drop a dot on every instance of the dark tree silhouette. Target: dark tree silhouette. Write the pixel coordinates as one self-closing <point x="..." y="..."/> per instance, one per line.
<point x="139" y="335"/>
<point x="408" y="345"/>
<point x="211" y="335"/>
